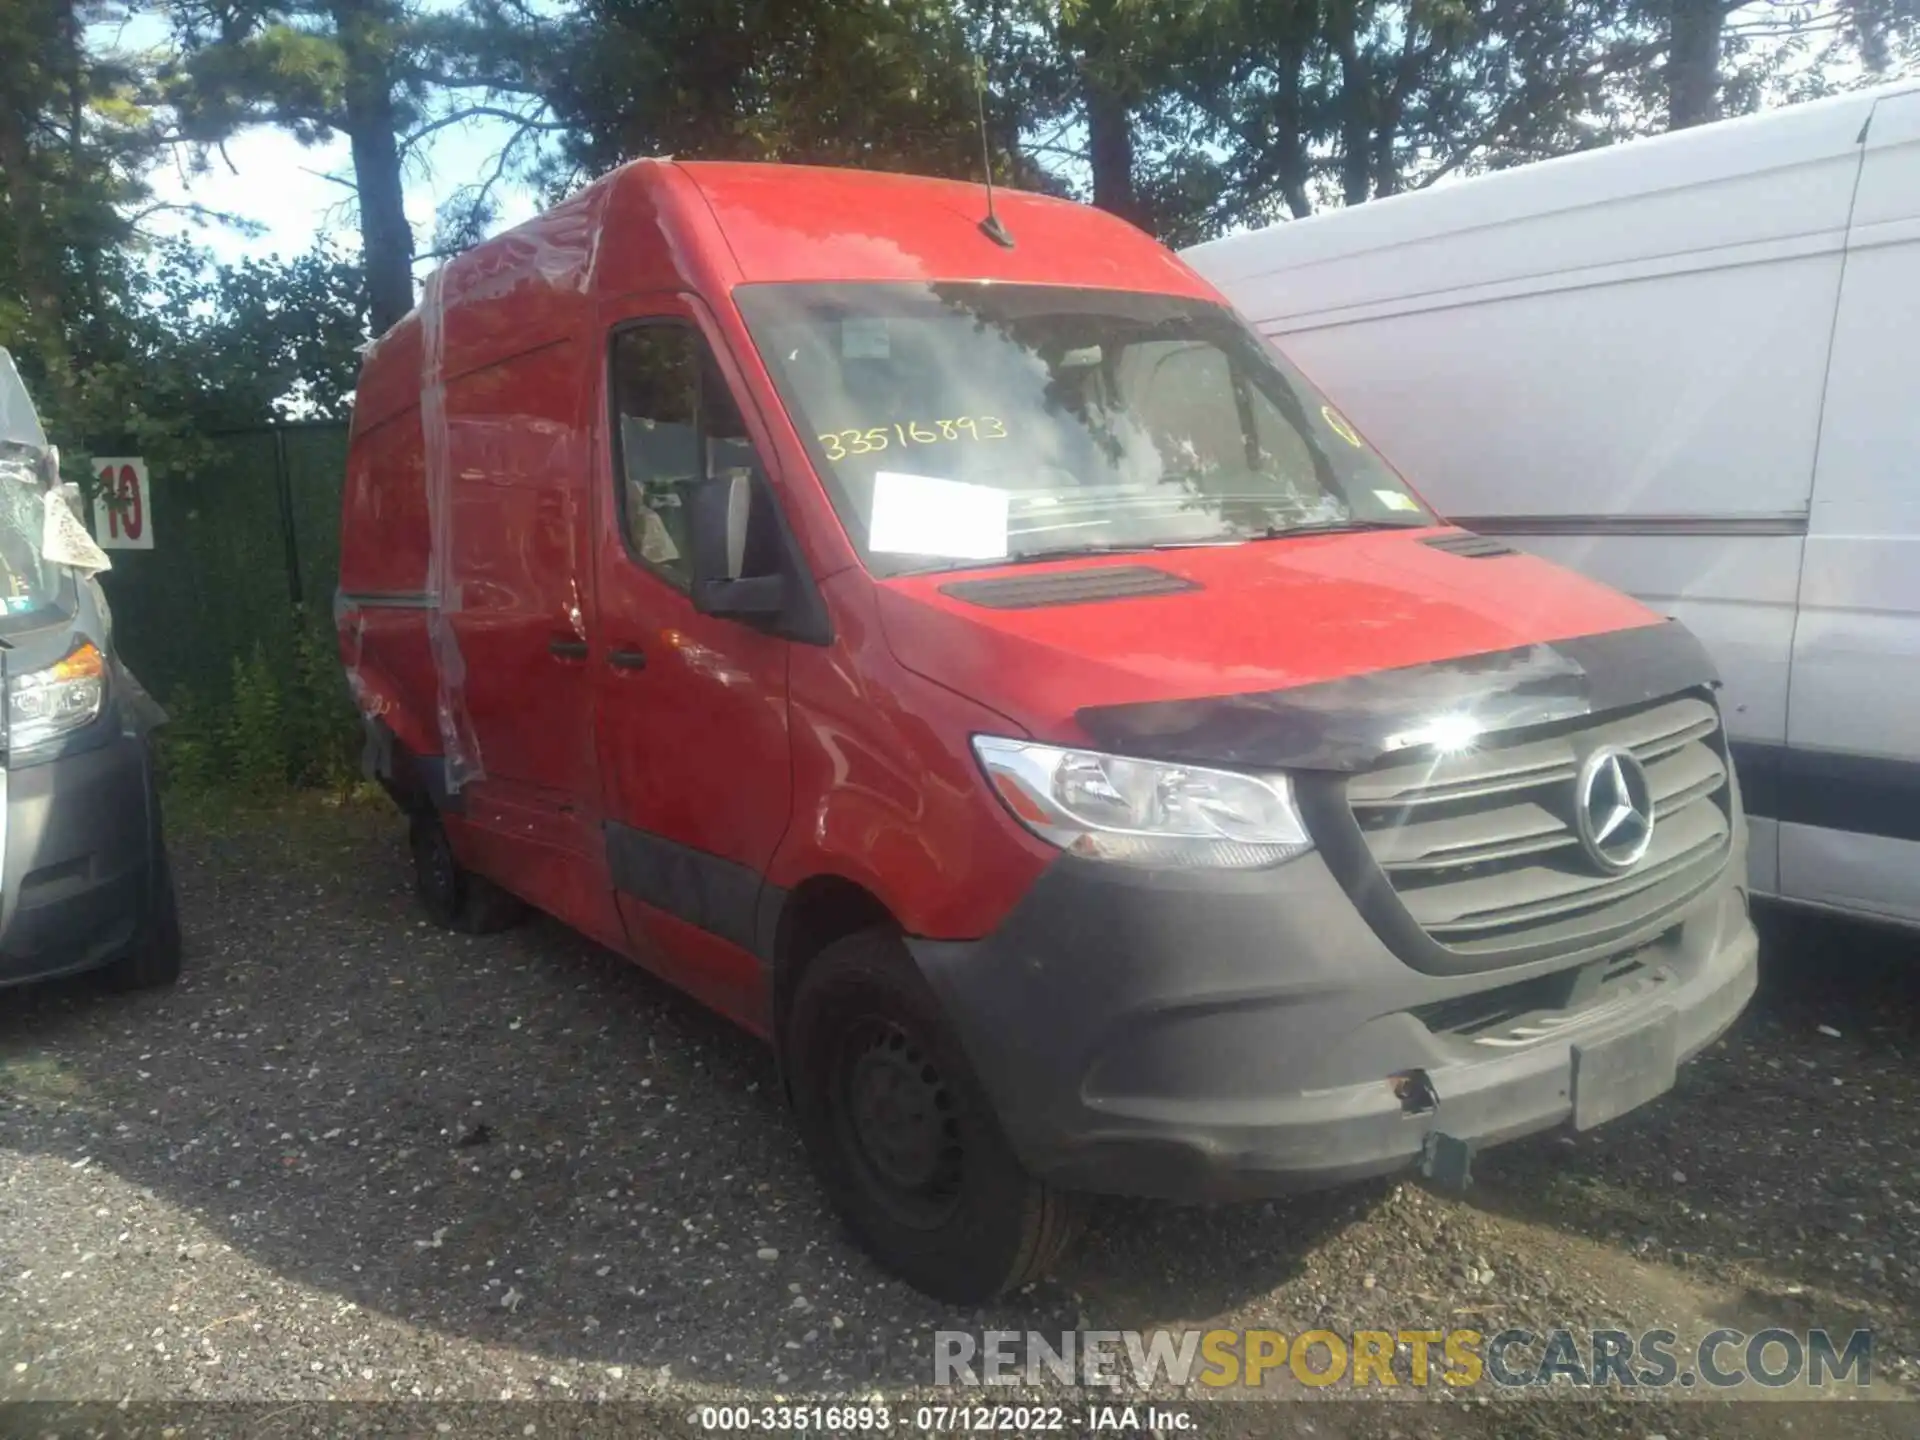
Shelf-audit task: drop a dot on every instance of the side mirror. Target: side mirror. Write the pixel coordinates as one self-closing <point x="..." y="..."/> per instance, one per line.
<point x="721" y="518"/>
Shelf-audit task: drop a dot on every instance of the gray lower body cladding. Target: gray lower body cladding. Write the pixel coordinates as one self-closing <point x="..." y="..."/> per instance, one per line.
<point x="1221" y="1035"/>
<point x="82" y="842"/>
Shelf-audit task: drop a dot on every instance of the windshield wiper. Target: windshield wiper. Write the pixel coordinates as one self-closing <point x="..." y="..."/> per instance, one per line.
<point x="1138" y="547"/>
<point x="1338" y="527"/>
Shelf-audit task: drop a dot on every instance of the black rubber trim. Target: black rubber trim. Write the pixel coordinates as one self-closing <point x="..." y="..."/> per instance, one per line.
<point x="1786" y="523"/>
<point x="387" y="599"/>
<point x="1470" y="547"/>
<point x="415" y="783"/>
<point x="1347" y="725"/>
<point x="81" y="850"/>
<point x="720" y="896"/>
<point x="1071" y="587"/>
<point x="1858" y="794"/>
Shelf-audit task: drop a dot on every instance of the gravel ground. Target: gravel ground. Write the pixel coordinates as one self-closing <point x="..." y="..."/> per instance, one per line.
<point x="355" y="1158"/>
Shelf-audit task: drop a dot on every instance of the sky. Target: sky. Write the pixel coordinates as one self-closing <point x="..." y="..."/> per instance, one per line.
<point x="282" y="186"/>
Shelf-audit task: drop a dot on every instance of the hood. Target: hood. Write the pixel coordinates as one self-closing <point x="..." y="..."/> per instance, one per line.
<point x="1264" y="616"/>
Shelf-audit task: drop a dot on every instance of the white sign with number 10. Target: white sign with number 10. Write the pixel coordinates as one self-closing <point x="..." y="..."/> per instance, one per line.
<point x="122" y="514"/>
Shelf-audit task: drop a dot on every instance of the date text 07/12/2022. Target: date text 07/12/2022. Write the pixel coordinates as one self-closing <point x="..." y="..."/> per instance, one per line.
<point x="880" y="1419"/>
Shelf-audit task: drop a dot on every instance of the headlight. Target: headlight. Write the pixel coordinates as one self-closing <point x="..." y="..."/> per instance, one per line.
<point x="1142" y="812"/>
<point x="45" y="704"/>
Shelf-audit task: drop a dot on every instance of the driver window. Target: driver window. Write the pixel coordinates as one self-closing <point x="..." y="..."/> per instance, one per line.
<point x="677" y="425"/>
<point x="656" y="391"/>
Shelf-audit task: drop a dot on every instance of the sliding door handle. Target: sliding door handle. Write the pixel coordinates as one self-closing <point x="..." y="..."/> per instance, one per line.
<point x="567" y="648"/>
<point x="627" y="659"/>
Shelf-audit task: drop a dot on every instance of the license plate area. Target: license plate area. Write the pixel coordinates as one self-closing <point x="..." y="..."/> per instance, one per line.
<point x="1622" y="1072"/>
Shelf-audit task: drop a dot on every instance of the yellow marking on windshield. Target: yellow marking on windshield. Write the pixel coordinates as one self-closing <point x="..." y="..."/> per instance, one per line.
<point x="1338" y="423"/>
<point x="841" y="444"/>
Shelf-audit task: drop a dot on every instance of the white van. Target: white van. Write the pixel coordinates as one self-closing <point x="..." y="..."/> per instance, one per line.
<point x="1689" y="366"/>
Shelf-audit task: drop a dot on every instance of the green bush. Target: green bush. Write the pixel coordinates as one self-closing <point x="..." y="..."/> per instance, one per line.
<point x="192" y="744"/>
<point x="256" y="734"/>
<point x="278" y="726"/>
<point x="322" y="727"/>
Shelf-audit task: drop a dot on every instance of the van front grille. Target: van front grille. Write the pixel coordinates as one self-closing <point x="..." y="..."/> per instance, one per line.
<point x="1486" y="850"/>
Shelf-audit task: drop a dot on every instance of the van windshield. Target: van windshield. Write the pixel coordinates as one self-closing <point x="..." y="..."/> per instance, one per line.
<point x="962" y="423"/>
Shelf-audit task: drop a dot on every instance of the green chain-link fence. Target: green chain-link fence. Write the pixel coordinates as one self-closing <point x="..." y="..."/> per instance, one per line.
<point x="236" y="548"/>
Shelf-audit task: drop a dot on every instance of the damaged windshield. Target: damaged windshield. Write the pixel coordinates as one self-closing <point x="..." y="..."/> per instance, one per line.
<point x="972" y="422"/>
<point x="29" y="582"/>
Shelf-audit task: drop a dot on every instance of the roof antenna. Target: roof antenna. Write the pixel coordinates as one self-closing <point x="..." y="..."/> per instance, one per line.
<point x="991" y="226"/>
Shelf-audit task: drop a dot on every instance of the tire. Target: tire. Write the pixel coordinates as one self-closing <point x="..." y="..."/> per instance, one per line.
<point x="153" y="960"/>
<point x="903" y="1136"/>
<point x="453" y="896"/>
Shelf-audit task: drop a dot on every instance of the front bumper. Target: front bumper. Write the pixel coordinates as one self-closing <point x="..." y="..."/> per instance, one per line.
<point x="1203" y="1037"/>
<point x="80" y="845"/>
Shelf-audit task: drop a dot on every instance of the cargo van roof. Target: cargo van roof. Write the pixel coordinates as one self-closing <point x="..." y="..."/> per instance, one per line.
<point x="797" y="222"/>
<point x="706" y="226"/>
<point x="1316" y="264"/>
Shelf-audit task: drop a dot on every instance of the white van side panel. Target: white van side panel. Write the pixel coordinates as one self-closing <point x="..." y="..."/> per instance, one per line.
<point x="1685" y="386"/>
<point x="1863" y="874"/>
<point x="1735" y="592"/>
<point x="1849" y="785"/>
<point x="1771" y="176"/>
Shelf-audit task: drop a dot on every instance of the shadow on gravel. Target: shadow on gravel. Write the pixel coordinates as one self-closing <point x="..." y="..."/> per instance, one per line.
<point x="518" y="1139"/>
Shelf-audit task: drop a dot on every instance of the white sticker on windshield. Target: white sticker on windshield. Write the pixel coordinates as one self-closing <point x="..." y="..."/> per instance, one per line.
<point x="1396" y="500"/>
<point x="919" y="515"/>
<point x="864" y="339"/>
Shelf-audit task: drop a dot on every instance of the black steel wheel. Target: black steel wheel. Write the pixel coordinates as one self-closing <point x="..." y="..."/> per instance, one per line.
<point x="902" y="1134"/>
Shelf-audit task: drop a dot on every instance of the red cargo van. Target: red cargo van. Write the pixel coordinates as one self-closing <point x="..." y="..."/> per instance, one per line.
<point x="967" y="657"/>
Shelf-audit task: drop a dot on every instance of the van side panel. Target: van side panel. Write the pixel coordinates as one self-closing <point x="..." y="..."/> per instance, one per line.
<point x="886" y="801"/>
<point x="1849" y="785"/>
<point x="386" y="498"/>
<point x="1601" y="207"/>
<point x="522" y="289"/>
<point x="383" y="576"/>
<point x="521" y="561"/>
<point x="521" y="609"/>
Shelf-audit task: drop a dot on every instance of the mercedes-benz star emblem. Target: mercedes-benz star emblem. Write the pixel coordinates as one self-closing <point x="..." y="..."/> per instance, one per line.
<point x="1613" y="809"/>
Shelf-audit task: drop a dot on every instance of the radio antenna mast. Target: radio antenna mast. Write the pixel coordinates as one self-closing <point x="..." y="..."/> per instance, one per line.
<point x="991" y="226"/>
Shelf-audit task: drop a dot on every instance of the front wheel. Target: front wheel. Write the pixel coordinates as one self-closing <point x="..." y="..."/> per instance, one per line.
<point x="903" y="1136"/>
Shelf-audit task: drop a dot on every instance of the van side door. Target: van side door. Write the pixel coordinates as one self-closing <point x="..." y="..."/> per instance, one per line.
<point x="691" y="709"/>
<point x="1847" y="785"/>
<point x="516" y="675"/>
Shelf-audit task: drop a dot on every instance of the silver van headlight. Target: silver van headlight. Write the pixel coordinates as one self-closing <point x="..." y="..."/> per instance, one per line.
<point x="45" y="704"/>
<point x="1145" y="812"/>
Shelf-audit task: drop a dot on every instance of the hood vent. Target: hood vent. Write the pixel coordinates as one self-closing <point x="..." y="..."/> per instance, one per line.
<point x="1469" y="546"/>
<point x="1068" y="587"/>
